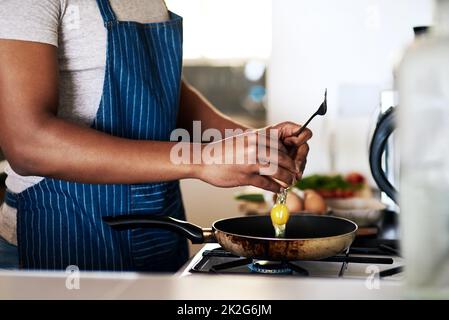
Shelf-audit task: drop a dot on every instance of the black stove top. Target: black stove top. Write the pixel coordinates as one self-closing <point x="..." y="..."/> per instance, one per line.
<point x="364" y="252"/>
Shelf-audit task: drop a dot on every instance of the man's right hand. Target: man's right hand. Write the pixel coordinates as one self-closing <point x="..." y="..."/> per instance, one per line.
<point x="265" y="162"/>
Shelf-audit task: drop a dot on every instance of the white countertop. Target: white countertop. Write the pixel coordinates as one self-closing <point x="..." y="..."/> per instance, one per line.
<point x="41" y="285"/>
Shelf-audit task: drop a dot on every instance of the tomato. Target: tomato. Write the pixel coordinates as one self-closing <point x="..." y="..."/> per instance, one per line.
<point x="326" y="193"/>
<point x="355" y="178"/>
<point x="339" y="193"/>
<point x="348" y="194"/>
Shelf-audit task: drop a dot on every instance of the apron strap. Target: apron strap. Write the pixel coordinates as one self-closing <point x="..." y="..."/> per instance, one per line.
<point x="106" y="11"/>
<point x="11" y="199"/>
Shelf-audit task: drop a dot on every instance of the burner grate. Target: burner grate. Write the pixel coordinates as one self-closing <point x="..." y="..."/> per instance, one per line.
<point x="220" y="261"/>
<point x="219" y="252"/>
<point x="229" y="265"/>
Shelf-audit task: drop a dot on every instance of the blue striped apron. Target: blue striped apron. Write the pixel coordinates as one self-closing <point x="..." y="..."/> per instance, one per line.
<point x="59" y="222"/>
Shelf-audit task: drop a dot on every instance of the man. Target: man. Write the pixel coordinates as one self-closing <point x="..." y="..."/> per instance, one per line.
<point x="90" y="92"/>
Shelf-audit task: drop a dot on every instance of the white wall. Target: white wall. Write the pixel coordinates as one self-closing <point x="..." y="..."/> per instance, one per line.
<point x="348" y="46"/>
<point x="225" y="29"/>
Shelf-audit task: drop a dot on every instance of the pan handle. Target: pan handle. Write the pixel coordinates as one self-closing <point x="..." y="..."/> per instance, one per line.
<point x="192" y="232"/>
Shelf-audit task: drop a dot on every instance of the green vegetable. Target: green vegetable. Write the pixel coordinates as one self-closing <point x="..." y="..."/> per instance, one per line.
<point x="323" y="182"/>
<point x="251" y="197"/>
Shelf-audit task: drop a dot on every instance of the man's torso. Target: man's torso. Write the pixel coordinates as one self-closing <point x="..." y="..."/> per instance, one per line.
<point x="82" y="40"/>
<point x="77" y="28"/>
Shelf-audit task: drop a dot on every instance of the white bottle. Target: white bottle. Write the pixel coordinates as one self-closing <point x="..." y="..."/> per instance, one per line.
<point x="423" y="123"/>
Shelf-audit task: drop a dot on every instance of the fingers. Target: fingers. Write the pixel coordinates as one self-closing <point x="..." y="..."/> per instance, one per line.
<point x="283" y="177"/>
<point x="286" y="129"/>
<point x="285" y="161"/>
<point x="305" y="136"/>
<point x="302" y="152"/>
<point x="277" y="160"/>
<point x="269" y="154"/>
<point x="302" y="166"/>
<point x="283" y="169"/>
<point x="274" y="165"/>
<point x="290" y="129"/>
<point x="264" y="183"/>
<point x="301" y="158"/>
<point x="272" y="142"/>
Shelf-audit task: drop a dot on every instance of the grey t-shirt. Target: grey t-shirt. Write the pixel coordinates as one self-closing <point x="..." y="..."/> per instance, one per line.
<point x="76" y="28"/>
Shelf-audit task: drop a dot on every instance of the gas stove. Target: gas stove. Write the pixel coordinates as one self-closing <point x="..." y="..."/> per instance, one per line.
<point x="366" y="258"/>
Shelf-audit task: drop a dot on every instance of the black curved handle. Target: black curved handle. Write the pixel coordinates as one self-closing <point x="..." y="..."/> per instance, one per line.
<point x="384" y="129"/>
<point x="192" y="232"/>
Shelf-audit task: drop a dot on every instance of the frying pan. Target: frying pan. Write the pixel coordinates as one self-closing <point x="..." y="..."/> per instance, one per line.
<point x="308" y="237"/>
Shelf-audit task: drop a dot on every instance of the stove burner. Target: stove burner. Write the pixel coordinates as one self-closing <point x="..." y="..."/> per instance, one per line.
<point x="269" y="267"/>
<point x="220" y="261"/>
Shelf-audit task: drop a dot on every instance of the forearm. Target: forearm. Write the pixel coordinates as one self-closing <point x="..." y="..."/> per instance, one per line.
<point x="63" y="150"/>
<point x="195" y="107"/>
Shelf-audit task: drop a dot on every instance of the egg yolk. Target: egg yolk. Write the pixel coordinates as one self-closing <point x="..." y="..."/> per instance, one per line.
<point x="279" y="214"/>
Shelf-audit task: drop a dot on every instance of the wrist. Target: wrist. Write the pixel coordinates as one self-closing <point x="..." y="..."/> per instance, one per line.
<point x="194" y="165"/>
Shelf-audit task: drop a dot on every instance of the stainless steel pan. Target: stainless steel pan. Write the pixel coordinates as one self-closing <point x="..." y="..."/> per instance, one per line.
<point x="308" y="237"/>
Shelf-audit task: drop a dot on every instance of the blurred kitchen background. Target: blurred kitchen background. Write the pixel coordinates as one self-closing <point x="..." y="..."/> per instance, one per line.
<point x="264" y="61"/>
